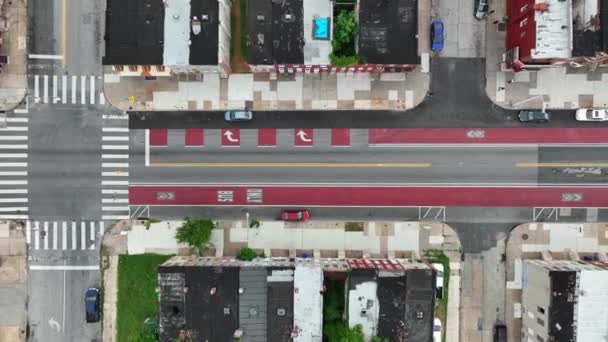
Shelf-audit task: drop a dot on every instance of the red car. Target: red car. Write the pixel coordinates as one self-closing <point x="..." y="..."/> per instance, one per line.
<point x="295" y="215"/>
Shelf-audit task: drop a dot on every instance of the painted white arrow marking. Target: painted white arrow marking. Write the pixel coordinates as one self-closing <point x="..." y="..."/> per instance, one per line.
<point x="54" y="324"/>
<point x="228" y="135"/>
<point x="302" y="135"/>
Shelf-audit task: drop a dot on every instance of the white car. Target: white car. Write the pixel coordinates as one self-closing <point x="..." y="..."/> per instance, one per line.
<point x="436" y="330"/>
<point x="587" y="114"/>
<point x="439" y="281"/>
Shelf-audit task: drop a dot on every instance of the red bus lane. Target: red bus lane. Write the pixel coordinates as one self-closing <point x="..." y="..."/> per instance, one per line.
<point x="373" y="196"/>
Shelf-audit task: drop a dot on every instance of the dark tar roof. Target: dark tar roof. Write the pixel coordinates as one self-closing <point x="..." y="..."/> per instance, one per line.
<point x="134" y="32"/>
<point x="604" y="24"/>
<point x="275" y="32"/>
<point x="204" y="46"/>
<point x="209" y="317"/>
<point x="561" y="305"/>
<point x="387" y="31"/>
<point x="406" y="305"/>
<point x="280" y="296"/>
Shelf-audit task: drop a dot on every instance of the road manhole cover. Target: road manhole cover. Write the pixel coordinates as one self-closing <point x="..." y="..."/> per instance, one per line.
<point x="524" y="237"/>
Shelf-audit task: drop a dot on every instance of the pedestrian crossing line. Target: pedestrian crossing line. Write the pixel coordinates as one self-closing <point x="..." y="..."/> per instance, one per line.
<point x="14" y="129"/>
<point x="102" y="99"/>
<point x="92" y="235"/>
<point x="122" y="165"/>
<point x="17" y="120"/>
<point x="114" y="147"/>
<point x="125" y="208"/>
<point x="73" y="89"/>
<point x="114" y="192"/>
<point x="12" y="191"/>
<point x="13" y="147"/>
<point x="114" y="174"/>
<point x="83" y="227"/>
<point x="13" y="173"/>
<point x="64" y="235"/>
<point x="28" y="232"/>
<point x="13" y="164"/>
<point x="115" y="117"/>
<point x="14" y="182"/>
<point x="101" y="228"/>
<point x="36" y="235"/>
<point x="114" y="156"/>
<point x="114" y="200"/>
<point x="83" y="90"/>
<point x="13" y="155"/>
<point x="46" y="235"/>
<point x="36" y="88"/>
<point x="115" y="217"/>
<point x="10" y="209"/>
<point x="55" y="98"/>
<point x="45" y="93"/>
<point x="108" y="182"/>
<point x="14" y="217"/>
<point x="115" y="129"/>
<point x="13" y="200"/>
<point x="92" y="90"/>
<point x="13" y="137"/>
<point x="114" y="138"/>
<point x="73" y="236"/>
<point x="54" y="235"/>
<point x="64" y="89"/>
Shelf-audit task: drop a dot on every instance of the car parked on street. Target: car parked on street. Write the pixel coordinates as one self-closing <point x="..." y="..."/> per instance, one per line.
<point x="91" y="305"/>
<point x="295" y="215"/>
<point x="481" y="10"/>
<point x="437" y="36"/>
<point x="438" y="280"/>
<point x="238" y="116"/>
<point x="534" y="116"/>
<point x="436" y="330"/>
<point x="588" y="114"/>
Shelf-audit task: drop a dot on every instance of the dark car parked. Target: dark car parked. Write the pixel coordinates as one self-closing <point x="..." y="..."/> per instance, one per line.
<point x="91" y="305"/>
<point x="534" y="116"/>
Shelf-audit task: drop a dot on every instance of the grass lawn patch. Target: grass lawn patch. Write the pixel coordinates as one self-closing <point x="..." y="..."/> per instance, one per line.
<point x="238" y="42"/>
<point x="437" y="256"/>
<point x="137" y="297"/>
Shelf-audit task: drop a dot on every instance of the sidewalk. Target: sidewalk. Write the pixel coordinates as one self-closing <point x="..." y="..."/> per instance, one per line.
<point x="559" y="87"/>
<point x="13" y="76"/>
<point x="269" y="91"/>
<point x="13" y="283"/>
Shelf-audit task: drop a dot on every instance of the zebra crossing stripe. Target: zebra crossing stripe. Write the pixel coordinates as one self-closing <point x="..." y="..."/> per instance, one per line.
<point x="101" y="228"/>
<point x="73" y="236"/>
<point x="64" y="235"/>
<point x="64" y="89"/>
<point x="55" y="235"/>
<point x="36" y="235"/>
<point x="36" y="88"/>
<point x="55" y="98"/>
<point x="45" y="94"/>
<point x="92" y="235"/>
<point x="92" y="90"/>
<point x="83" y="231"/>
<point x="28" y="232"/>
<point x="102" y="99"/>
<point x="83" y="90"/>
<point x="73" y="89"/>
<point x="46" y="235"/>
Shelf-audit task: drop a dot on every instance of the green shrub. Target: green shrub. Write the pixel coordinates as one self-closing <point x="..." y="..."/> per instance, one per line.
<point x="246" y="254"/>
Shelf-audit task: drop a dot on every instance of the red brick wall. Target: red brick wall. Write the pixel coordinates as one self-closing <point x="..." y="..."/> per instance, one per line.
<point x="521" y="28"/>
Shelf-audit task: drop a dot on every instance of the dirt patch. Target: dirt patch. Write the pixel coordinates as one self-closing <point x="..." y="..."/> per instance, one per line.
<point x="12" y="270"/>
<point x="238" y="43"/>
<point x="10" y="334"/>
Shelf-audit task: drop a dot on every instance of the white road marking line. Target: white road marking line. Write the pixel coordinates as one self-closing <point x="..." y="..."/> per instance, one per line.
<point x="9" y="209"/>
<point x="26" y="109"/>
<point x="102" y="99"/>
<point x="12" y="191"/>
<point x="64" y="235"/>
<point x="13" y="173"/>
<point x="73" y="235"/>
<point x="28" y="232"/>
<point x="115" y="117"/>
<point x="114" y="192"/>
<point x="64" y="89"/>
<point x="92" y="90"/>
<point x="13" y="137"/>
<point x="36" y="88"/>
<point x="114" y="156"/>
<point x="13" y="155"/>
<point x="13" y="200"/>
<point x="120" y="208"/>
<point x="45" y="94"/>
<point x="113" y="138"/>
<point x="114" y="147"/>
<point x="55" y="235"/>
<point x="17" y="120"/>
<point x="64" y="268"/>
<point x="83" y="231"/>
<point x="36" y="235"/>
<point x="115" y="129"/>
<point x="14" y="129"/>
<point x="114" y="200"/>
<point x="83" y="89"/>
<point x="43" y="56"/>
<point x="14" y="182"/>
<point x="92" y="236"/>
<point x="73" y="89"/>
<point x="147" y="147"/>
<point x="101" y="228"/>
<point x="13" y="146"/>
<point x="14" y="217"/>
<point x="115" y="174"/>
<point x="115" y="217"/>
<point x="55" y="98"/>
<point x="13" y="164"/>
<point x="46" y="235"/>
<point x="106" y="182"/>
<point x="123" y="165"/>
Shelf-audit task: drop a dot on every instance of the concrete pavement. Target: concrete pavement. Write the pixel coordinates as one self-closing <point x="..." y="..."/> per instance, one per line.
<point x="13" y="81"/>
<point x="13" y="283"/>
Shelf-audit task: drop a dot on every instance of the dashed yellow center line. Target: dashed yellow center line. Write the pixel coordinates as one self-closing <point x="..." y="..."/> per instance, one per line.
<point x="294" y="165"/>
<point x="561" y="164"/>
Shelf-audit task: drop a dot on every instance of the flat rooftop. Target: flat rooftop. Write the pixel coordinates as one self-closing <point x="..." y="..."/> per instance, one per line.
<point x="204" y="46"/>
<point x="387" y="31"/>
<point x="363" y="305"/>
<point x="134" y="32"/>
<point x="308" y="303"/>
<point x="275" y="31"/>
<point x="553" y="30"/>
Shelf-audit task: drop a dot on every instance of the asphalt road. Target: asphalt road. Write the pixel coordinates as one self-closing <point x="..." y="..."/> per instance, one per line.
<point x="458" y="100"/>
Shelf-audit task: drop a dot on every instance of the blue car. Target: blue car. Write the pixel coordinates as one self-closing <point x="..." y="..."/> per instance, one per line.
<point x="91" y="305"/>
<point x="437" y="36"/>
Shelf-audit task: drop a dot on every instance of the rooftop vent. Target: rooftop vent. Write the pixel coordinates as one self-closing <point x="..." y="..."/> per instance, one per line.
<point x="280" y="312"/>
<point x="288" y="18"/>
<point x="226" y="311"/>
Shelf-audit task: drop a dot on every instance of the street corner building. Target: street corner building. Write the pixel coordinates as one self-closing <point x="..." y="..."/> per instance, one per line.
<point x="155" y="38"/>
<point x="548" y="32"/>
<point x="281" y="299"/>
<point x="564" y="300"/>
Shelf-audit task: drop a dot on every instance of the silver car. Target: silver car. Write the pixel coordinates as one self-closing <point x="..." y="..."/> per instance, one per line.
<point x="237" y="116"/>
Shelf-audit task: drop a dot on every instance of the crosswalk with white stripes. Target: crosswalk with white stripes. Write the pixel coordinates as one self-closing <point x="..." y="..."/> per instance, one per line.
<point x="14" y="165"/>
<point x="115" y="167"/>
<point x="68" y="89"/>
<point x="63" y="235"/>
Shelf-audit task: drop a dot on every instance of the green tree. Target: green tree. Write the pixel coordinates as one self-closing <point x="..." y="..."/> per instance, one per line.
<point x="147" y="334"/>
<point x="345" y="30"/>
<point x="379" y="339"/>
<point x="246" y="254"/>
<point x="195" y="233"/>
<point x="339" y="331"/>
